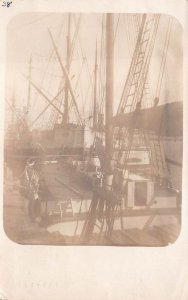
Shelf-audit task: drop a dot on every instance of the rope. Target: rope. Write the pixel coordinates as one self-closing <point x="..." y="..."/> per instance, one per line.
<point x="76" y="85"/>
<point x="127" y="35"/>
<point x="116" y="29"/>
<point x="164" y="58"/>
<point x="102" y="70"/>
<point x="49" y="59"/>
<point x="83" y="54"/>
<point x="77" y="26"/>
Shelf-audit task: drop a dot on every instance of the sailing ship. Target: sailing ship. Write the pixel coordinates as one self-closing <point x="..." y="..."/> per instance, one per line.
<point x="61" y="135"/>
<point x="97" y="194"/>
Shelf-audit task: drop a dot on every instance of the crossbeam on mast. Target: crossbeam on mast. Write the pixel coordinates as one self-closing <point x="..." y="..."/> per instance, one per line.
<point x="45" y="97"/>
<point x="43" y="111"/>
<point x="66" y="76"/>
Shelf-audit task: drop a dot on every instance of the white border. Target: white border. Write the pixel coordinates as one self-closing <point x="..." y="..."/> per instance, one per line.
<point x="117" y="273"/>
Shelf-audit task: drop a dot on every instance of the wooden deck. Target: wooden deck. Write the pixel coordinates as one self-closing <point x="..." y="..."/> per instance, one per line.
<point x="20" y="229"/>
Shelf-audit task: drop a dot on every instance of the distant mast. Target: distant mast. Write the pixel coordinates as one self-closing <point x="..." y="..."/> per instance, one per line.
<point x="66" y="103"/>
<point x="95" y="93"/>
<point x="109" y="89"/>
<point x="13" y="110"/>
<point x="29" y="86"/>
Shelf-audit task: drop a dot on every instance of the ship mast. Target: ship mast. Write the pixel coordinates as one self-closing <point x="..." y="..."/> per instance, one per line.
<point x="13" y="110"/>
<point x="95" y="93"/>
<point x="109" y="89"/>
<point x="66" y="103"/>
<point x="29" y="85"/>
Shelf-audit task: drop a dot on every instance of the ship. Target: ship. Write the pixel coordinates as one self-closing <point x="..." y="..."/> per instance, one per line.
<point x="119" y="188"/>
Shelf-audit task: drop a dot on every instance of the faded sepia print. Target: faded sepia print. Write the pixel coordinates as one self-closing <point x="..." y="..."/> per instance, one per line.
<point x="93" y="129"/>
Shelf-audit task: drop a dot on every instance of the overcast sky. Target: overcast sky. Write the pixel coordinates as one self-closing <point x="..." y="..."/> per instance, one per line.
<point x="27" y="34"/>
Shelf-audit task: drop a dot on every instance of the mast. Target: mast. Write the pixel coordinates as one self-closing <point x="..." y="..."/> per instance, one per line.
<point x="29" y="85"/>
<point x="66" y="103"/>
<point x="95" y="93"/>
<point x="109" y="89"/>
<point x="13" y="110"/>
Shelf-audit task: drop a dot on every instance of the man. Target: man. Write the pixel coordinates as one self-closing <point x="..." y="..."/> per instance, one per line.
<point x="32" y="177"/>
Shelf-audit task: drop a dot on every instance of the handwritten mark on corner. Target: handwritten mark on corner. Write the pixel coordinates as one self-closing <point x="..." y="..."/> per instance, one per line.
<point x="6" y="3"/>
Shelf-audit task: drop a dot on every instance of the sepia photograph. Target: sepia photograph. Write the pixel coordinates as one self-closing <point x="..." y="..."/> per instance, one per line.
<point x="93" y="130"/>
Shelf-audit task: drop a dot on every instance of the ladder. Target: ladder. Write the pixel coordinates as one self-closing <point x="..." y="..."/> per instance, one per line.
<point x="147" y="95"/>
<point x="138" y="71"/>
<point x="133" y="93"/>
<point x="101" y="216"/>
<point x="95" y="219"/>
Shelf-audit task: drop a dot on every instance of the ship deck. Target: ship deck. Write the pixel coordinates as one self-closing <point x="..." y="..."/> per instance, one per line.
<point x="63" y="186"/>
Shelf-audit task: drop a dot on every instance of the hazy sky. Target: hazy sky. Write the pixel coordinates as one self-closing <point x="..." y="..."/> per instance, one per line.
<point x="27" y="34"/>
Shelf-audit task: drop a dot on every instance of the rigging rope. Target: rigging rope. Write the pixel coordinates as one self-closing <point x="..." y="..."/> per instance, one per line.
<point x="76" y="85"/>
<point x="54" y="114"/>
<point x="164" y="58"/>
<point x="126" y="33"/>
<point x="102" y="69"/>
<point x="116" y="29"/>
<point x="83" y="53"/>
<point x="48" y="64"/>
<point x="73" y="43"/>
